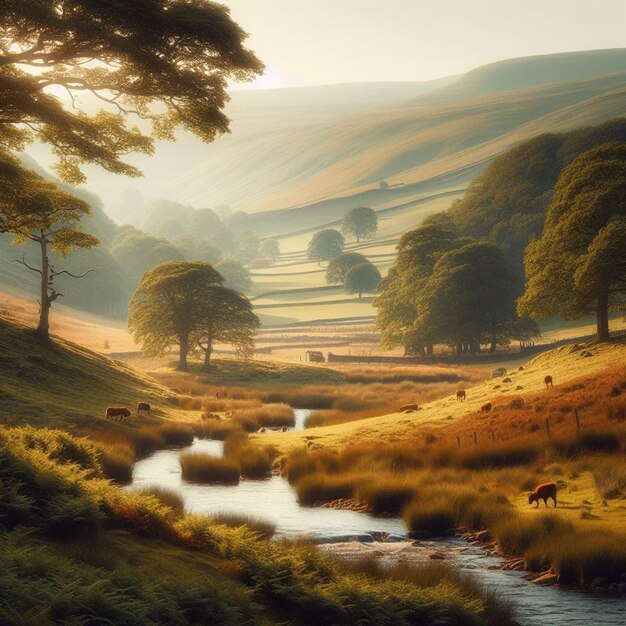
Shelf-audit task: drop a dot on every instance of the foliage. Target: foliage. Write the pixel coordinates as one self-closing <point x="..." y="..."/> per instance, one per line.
<point x="507" y="203"/>
<point x="236" y="276"/>
<point x="579" y="264"/>
<point x="340" y="265"/>
<point x="325" y="245"/>
<point x="166" y="307"/>
<point x="470" y="298"/>
<point x="166" y="63"/>
<point x="270" y="248"/>
<point x="363" y="277"/>
<point x="360" y="222"/>
<point x="34" y="209"/>
<point x="204" y="468"/>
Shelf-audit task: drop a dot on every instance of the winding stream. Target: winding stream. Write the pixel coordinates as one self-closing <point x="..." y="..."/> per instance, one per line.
<point x="274" y="499"/>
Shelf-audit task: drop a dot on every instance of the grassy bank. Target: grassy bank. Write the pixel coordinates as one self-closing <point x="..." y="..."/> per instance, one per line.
<point x="77" y="550"/>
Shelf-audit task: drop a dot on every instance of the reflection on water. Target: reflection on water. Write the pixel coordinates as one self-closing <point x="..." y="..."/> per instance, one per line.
<point x="275" y="500"/>
<point x="272" y="499"/>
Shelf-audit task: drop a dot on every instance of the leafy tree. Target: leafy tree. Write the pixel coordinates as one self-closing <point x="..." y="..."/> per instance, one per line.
<point x="34" y="209"/>
<point x="225" y="316"/>
<point x="363" y="277"/>
<point x="247" y="246"/>
<point x="396" y="301"/>
<point x="166" y="62"/>
<point x="236" y="276"/>
<point x="137" y="252"/>
<point x="270" y="248"/>
<point x="340" y="265"/>
<point x="360" y="222"/>
<point x="324" y="245"/>
<point x="167" y="307"/>
<point x="469" y="299"/>
<point x="578" y="266"/>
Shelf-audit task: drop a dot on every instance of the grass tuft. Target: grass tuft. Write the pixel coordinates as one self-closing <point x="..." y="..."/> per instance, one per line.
<point x="203" y="468"/>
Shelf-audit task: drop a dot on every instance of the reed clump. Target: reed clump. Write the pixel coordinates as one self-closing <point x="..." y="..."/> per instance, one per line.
<point x="198" y="467"/>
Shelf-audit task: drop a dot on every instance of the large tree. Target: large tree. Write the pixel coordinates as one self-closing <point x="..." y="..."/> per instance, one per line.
<point x="396" y="302"/>
<point x="225" y="316"/>
<point x="363" y="277"/>
<point x="470" y="299"/>
<point x="34" y="209"/>
<point x="165" y="61"/>
<point x="578" y="266"/>
<point x="325" y="244"/>
<point x="167" y="306"/>
<point x="360" y="222"/>
<point x="341" y="265"/>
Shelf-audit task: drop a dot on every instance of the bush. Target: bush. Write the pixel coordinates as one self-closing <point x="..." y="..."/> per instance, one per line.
<point x="319" y="488"/>
<point x="387" y="495"/>
<point x="178" y="435"/>
<point x="168" y="497"/>
<point x="202" y="468"/>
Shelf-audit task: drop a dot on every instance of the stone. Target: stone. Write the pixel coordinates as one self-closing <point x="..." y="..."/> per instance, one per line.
<point x="546" y="579"/>
<point x="507" y="380"/>
<point x="500" y="371"/>
<point x="600" y="581"/>
<point x="520" y="368"/>
<point x="437" y="556"/>
<point x="519" y="388"/>
<point x="420" y="534"/>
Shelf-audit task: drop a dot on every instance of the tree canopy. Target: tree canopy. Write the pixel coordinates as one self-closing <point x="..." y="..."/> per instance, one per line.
<point x="469" y="299"/>
<point x="35" y="209"/>
<point x="340" y="265"/>
<point x="325" y="244"/>
<point x="167" y="306"/>
<point x="363" y="277"/>
<point x="236" y="276"/>
<point x="360" y="222"/>
<point x="165" y="62"/>
<point x="270" y="248"/>
<point x="578" y="266"/>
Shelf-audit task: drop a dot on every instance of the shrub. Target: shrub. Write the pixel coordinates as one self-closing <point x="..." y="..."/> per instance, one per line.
<point x="203" y="468"/>
<point x="319" y="488"/>
<point x="168" y="497"/>
<point x="517" y="534"/>
<point x="387" y="495"/>
<point x="176" y="434"/>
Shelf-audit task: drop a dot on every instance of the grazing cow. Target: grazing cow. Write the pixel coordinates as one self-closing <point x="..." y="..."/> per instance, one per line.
<point x="548" y="382"/>
<point x="143" y="406"/>
<point x="408" y="408"/>
<point x="543" y="492"/>
<point x="485" y="408"/>
<point x="460" y="394"/>
<point x="117" y="411"/>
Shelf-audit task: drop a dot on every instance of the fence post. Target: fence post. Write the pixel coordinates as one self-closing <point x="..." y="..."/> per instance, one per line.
<point x="493" y="435"/>
<point x="475" y="439"/>
<point x="577" y="420"/>
<point x="547" y="425"/>
<point x="458" y="441"/>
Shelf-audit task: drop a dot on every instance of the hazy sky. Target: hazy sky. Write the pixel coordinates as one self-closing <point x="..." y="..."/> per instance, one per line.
<point x="313" y="42"/>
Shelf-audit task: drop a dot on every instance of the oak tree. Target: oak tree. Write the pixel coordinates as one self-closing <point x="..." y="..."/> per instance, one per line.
<point x="165" y="62"/>
<point x="340" y="265"/>
<point x="363" y="277"/>
<point x="35" y="209"/>
<point x="325" y="244"/>
<point x="578" y="266"/>
<point x="360" y="222"/>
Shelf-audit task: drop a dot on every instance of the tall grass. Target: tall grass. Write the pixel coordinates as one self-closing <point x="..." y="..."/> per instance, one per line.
<point x="174" y="434"/>
<point x="387" y="495"/>
<point x="203" y="468"/>
<point x="168" y="497"/>
<point x="320" y="488"/>
<point x="254" y="462"/>
<point x="263" y="528"/>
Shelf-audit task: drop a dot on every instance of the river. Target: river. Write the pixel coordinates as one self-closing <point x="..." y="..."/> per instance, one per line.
<point x="274" y="499"/>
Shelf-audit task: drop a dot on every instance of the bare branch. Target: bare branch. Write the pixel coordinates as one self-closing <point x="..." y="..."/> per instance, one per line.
<point x="55" y="274"/>
<point x="22" y="261"/>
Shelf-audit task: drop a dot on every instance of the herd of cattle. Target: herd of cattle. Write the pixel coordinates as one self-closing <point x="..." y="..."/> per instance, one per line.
<point x="122" y="412"/>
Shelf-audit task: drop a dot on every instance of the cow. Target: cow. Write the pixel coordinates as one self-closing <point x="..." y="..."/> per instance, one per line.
<point x="460" y="394"/>
<point x="485" y="408"/>
<point x="548" y="382"/>
<point x="143" y="406"/>
<point x="543" y="492"/>
<point x="117" y="411"/>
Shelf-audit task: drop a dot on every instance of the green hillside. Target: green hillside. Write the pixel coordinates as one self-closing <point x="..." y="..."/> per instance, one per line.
<point x="66" y="385"/>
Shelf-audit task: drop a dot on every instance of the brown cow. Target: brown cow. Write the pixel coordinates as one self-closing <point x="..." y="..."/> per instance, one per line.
<point x="144" y="406"/>
<point x="543" y="492"/>
<point x="460" y="394"/>
<point x="485" y="408"/>
<point x="548" y="381"/>
<point x="117" y="411"/>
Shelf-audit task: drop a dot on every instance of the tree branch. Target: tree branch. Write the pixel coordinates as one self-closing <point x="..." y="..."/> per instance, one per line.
<point x="23" y="262"/>
<point x="54" y="274"/>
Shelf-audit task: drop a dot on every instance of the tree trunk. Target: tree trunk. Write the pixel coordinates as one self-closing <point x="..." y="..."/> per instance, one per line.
<point x="602" y="317"/>
<point x="207" y="354"/>
<point x="429" y="349"/>
<point x="184" y="351"/>
<point x="494" y="342"/>
<point x="43" y="328"/>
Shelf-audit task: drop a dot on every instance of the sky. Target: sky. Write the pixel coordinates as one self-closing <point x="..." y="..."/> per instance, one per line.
<point x="316" y="42"/>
